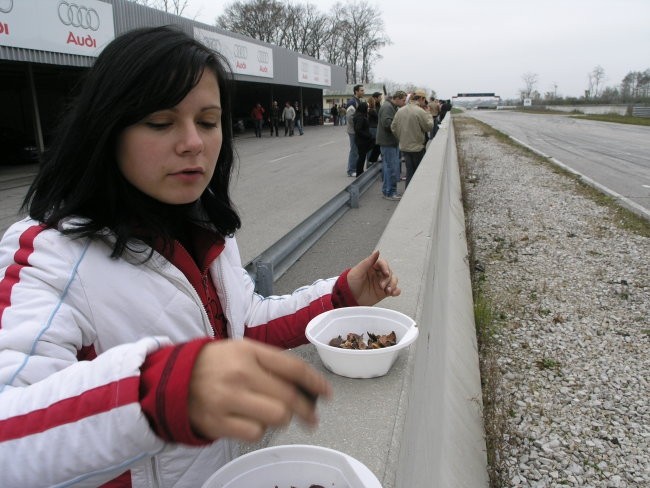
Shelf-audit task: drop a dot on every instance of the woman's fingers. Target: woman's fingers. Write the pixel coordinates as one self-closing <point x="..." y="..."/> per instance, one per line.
<point x="239" y="388"/>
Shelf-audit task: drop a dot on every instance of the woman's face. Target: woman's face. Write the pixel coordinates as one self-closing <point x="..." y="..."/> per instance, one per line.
<point x="170" y="155"/>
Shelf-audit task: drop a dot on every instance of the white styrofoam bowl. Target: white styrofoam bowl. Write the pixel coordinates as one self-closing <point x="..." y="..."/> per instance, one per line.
<point x="352" y="363"/>
<point x="293" y="465"/>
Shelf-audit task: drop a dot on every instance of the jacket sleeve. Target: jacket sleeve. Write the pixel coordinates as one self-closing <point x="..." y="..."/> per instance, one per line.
<point x="276" y="320"/>
<point x="281" y="320"/>
<point x="426" y="121"/>
<point x="394" y="126"/>
<point x="386" y="119"/>
<point x="83" y="418"/>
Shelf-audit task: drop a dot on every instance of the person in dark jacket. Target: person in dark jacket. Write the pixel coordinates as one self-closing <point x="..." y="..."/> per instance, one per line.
<point x="362" y="136"/>
<point x="373" y="119"/>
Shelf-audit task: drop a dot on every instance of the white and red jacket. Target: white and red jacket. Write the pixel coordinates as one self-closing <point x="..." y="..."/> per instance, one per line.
<point x="71" y="422"/>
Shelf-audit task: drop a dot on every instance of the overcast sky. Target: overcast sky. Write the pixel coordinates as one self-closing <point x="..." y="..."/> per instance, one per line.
<point x="458" y="46"/>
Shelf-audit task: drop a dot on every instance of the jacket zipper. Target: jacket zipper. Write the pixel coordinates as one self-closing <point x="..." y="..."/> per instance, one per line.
<point x="154" y="468"/>
<point x="226" y="304"/>
<point x="178" y="277"/>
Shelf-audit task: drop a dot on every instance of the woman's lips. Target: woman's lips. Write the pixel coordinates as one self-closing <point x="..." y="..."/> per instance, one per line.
<point x="189" y="174"/>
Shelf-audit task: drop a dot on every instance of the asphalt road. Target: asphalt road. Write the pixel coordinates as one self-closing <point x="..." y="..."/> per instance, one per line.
<point x="616" y="156"/>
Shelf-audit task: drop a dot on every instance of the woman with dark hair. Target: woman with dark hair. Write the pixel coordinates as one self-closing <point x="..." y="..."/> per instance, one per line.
<point x="362" y="136"/>
<point x="125" y="313"/>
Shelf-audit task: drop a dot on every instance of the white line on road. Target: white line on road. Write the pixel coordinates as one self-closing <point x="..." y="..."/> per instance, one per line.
<point x="645" y="186"/>
<point x="328" y="143"/>
<point x="279" y="159"/>
<point x="630" y="204"/>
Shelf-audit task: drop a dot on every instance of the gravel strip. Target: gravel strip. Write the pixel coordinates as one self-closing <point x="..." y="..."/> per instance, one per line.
<point x="573" y="290"/>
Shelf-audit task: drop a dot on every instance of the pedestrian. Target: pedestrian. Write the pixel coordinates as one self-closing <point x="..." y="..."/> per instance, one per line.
<point x="274" y="119"/>
<point x="129" y="330"/>
<point x="288" y="116"/>
<point x="377" y="98"/>
<point x="411" y="125"/>
<point x="434" y="105"/>
<point x="362" y="136"/>
<point x="353" y="155"/>
<point x="257" y="114"/>
<point x="334" y="112"/>
<point x="388" y="143"/>
<point x="373" y="120"/>
<point x="342" y="112"/>
<point x="298" y="119"/>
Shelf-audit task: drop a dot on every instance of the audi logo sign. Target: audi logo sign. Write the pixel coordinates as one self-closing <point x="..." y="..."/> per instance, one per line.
<point x="314" y="73"/>
<point x="240" y="51"/>
<point x="6" y="6"/>
<point x="75" y="15"/>
<point x="62" y="26"/>
<point x="244" y="57"/>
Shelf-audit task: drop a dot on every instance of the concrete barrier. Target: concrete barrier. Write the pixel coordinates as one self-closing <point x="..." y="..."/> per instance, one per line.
<point x="420" y="426"/>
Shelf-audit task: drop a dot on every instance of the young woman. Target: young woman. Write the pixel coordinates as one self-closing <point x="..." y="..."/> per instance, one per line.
<point x="124" y="310"/>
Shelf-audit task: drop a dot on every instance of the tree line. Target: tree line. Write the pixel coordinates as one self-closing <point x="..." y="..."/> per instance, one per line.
<point x="633" y="88"/>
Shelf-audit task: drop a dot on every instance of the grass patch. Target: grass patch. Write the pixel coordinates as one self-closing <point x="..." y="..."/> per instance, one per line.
<point x="618" y="119"/>
<point x="576" y="114"/>
<point x="488" y="323"/>
<point x="547" y="363"/>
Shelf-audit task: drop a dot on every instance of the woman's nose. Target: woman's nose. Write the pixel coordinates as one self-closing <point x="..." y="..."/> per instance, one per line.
<point x="190" y="140"/>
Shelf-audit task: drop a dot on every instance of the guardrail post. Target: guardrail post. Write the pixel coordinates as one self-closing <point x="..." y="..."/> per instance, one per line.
<point x="264" y="278"/>
<point x="354" y="196"/>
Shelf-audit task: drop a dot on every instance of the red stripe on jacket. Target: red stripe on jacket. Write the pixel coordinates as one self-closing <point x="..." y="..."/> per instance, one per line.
<point x="21" y="260"/>
<point x="91" y="402"/>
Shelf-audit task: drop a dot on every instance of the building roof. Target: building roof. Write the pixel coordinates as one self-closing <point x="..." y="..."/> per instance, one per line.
<point x="370" y="89"/>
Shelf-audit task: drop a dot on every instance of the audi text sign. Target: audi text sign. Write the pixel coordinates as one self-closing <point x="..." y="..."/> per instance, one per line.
<point x="245" y="58"/>
<point x="314" y="73"/>
<point x="73" y="27"/>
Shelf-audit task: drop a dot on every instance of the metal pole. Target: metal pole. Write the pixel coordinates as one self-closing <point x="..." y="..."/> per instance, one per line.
<point x="264" y="278"/>
<point x="38" y="130"/>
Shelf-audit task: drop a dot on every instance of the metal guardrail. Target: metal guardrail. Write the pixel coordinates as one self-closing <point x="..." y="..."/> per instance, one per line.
<point x="269" y="266"/>
<point x="641" y="111"/>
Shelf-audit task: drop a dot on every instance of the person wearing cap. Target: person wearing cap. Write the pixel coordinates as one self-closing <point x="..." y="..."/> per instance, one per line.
<point x="411" y="125"/>
<point x="388" y="144"/>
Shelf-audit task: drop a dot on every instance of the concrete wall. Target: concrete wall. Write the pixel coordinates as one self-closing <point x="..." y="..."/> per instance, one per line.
<point x="420" y="425"/>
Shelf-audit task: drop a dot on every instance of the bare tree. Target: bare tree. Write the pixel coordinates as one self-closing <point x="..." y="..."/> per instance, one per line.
<point x="364" y="34"/>
<point x="595" y="77"/>
<point x="265" y="20"/>
<point x="530" y="80"/>
<point x="176" y="7"/>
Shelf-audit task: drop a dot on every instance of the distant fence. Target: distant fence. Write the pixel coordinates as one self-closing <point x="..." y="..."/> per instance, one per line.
<point x="591" y="109"/>
<point x="641" y="111"/>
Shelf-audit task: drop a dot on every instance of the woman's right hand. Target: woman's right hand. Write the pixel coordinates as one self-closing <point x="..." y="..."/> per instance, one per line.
<point x="239" y="389"/>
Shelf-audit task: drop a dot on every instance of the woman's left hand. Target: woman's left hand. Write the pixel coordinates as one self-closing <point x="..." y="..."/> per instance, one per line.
<point x="372" y="280"/>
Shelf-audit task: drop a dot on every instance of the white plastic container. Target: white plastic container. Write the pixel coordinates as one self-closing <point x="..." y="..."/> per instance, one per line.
<point x="298" y="466"/>
<point x="352" y="363"/>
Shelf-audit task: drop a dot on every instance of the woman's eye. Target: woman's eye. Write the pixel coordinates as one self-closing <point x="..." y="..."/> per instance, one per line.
<point x="209" y="124"/>
<point x="158" y="125"/>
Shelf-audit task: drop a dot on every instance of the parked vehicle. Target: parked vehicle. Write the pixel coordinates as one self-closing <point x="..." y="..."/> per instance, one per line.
<point x="16" y="148"/>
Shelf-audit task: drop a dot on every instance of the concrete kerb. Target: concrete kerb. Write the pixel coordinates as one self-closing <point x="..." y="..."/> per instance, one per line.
<point x="421" y="424"/>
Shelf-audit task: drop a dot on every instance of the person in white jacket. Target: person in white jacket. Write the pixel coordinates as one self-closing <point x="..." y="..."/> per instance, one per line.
<point x="131" y="338"/>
